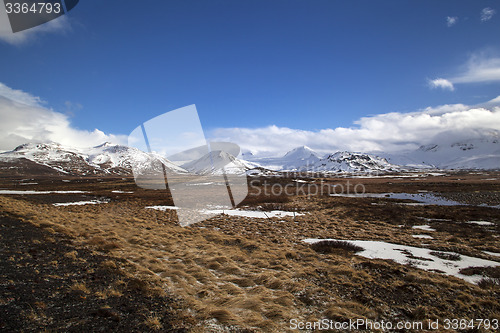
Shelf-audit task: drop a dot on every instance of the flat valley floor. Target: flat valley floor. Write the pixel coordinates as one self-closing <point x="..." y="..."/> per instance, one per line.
<point x="87" y="254"/>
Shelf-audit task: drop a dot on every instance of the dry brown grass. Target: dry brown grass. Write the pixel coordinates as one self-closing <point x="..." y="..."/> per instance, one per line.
<point x="37" y="315"/>
<point x="153" y="322"/>
<point x="79" y="289"/>
<point x="258" y="273"/>
<point x="333" y="246"/>
<point x="71" y="255"/>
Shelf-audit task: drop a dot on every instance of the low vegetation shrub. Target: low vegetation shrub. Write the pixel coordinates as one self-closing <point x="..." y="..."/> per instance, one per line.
<point x="331" y="246"/>
<point x="487" y="271"/>
<point x="488" y="283"/>
<point x="446" y="256"/>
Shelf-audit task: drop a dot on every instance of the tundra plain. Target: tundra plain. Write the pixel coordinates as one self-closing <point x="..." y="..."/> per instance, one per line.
<point x="111" y="262"/>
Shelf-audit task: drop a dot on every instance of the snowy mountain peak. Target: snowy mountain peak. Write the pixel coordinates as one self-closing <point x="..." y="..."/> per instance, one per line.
<point x="100" y="160"/>
<point x="345" y="161"/>
<point x="38" y="146"/>
<point x="299" y="157"/>
<point x="431" y="147"/>
<point x="105" y="144"/>
<point x="301" y="152"/>
<point x="218" y="162"/>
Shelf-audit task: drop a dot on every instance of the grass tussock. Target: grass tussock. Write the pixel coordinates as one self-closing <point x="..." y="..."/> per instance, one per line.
<point x="223" y="315"/>
<point x="487" y="271"/>
<point x="333" y="246"/>
<point x="446" y="256"/>
<point x="153" y="322"/>
<point x="491" y="276"/>
<point x="71" y="255"/>
<point x="79" y="289"/>
<point x="489" y="283"/>
<point x="348" y="310"/>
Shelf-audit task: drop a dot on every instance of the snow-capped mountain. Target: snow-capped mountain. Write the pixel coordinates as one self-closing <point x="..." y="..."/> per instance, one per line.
<point x="293" y="160"/>
<point x="299" y="157"/>
<point x="219" y="162"/>
<point x="105" y="159"/>
<point x="352" y="162"/>
<point x="480" y="152"/>
<point x="305" y="159"/>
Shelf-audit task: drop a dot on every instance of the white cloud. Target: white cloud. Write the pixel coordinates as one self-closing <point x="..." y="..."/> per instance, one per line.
<point x="59" y="25"/>
<point x="487" y="13"/>
<point x="19" y="96"/>
<point x="385" y="132"/>
<point x="441" y="83"/>
<point x="480" y="68"/>
<point x="451" y="21"/>
<point x="492" y="103"/>
<point x="24" y="119"/>
<point x="32" y="122"/>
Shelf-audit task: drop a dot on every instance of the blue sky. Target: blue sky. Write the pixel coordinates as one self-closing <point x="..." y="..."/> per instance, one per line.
<point x="307" y="65"/>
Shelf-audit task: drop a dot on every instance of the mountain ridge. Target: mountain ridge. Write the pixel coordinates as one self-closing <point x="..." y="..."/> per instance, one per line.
<point x="104" y="159"/>
<point x="479" y="152"/>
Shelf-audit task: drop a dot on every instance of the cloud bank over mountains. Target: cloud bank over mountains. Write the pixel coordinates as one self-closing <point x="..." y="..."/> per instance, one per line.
<point x="389" y="132"/>
<point x="25" y="118"/>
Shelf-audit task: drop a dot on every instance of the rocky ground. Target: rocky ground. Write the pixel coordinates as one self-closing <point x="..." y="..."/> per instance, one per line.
<point x="49" y="283"/>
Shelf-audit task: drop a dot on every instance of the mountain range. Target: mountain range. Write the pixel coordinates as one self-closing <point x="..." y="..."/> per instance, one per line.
<point x="109" y="159"/>
<point x="481" y="152"/>
<point x="304" y="159"/>
<point x="105" y="159"/>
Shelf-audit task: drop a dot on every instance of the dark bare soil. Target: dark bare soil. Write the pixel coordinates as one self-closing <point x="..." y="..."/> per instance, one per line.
<point x="48" y="283"/>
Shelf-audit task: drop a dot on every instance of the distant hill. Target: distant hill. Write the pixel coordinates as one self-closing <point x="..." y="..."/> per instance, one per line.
<point x="105" y="159"/>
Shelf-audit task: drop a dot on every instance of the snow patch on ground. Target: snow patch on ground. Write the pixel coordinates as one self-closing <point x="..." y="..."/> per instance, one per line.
<point x="251" y="213"/>
<point x="423" y="227"/>
<point x="495" y="254"/>
<point x="422" y="236"/>
<point x="39" y="192"/>
<point x="486" y="223"/>
<point x="79" y="203"/>
<point x="162" y="208"/>
<point x="236" y="212"/>
<point x="418" y="257"/>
